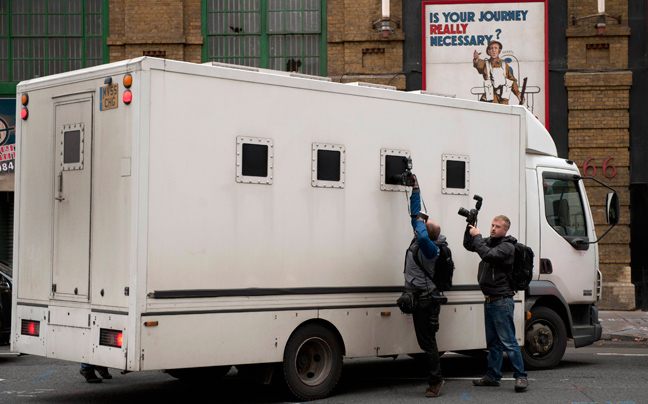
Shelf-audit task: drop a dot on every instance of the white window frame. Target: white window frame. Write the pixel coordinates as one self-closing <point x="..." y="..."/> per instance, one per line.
<point x="444" y="173"/>
<point x="324" y="183"/>
<point x="383" y="167"/>
<point x="247" y="179"/>
<point x="71" y="128"/>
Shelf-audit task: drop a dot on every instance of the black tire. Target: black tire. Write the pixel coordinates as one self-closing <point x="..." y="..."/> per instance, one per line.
<point x="545" y="339"/>
<point x="312" y="362"/>
<point x="199" y="374"/>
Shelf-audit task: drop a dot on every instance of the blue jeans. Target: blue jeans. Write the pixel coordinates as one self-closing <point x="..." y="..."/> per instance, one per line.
<point x="500" y="337"/>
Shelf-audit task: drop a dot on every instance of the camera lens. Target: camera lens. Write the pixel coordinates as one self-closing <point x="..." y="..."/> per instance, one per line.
<point x="464" y="212"/>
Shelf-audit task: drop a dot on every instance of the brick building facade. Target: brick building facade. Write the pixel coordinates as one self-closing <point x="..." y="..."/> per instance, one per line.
<point x="169" y="29"/>
<point x="598" y="85"/>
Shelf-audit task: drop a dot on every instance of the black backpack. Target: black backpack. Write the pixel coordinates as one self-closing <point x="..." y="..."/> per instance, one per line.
<point x="443" y="267"/>
<point x="522" y="272"/>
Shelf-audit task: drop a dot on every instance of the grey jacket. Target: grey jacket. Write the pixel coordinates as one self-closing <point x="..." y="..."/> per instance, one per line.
<point x="415" y="279"/>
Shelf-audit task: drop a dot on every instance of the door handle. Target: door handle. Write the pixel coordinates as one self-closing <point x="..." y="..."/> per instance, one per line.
<point x="60" y="188"/>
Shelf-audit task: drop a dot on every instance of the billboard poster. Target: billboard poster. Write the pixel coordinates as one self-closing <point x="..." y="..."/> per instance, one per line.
<point x="7" y="135"/>
<point x="489" y="51"/>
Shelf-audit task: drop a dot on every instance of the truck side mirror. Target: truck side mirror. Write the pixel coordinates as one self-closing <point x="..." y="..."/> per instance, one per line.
<point x="612" y="208"/>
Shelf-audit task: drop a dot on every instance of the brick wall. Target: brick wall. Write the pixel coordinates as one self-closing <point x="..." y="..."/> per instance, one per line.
<point x="167" y="28"/>
<point x="356" y="50"/>
<point x="598" y="85"/>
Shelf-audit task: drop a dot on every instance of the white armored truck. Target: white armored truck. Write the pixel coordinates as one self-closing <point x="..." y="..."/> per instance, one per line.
<point x="181" y="216"/>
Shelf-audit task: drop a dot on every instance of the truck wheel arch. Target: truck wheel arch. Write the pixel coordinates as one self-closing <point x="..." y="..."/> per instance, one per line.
<point x="545" y="294"/>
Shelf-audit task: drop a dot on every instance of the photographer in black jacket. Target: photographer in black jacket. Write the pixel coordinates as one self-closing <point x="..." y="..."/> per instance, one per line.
<point x="497" y="253"/>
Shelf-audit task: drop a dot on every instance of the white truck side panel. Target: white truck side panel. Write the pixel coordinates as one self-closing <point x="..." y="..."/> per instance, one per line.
<point x="218" y="339"/>
<point x="206" y="231"/>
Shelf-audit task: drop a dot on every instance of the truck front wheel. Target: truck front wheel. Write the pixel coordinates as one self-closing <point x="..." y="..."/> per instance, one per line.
<point x="312" y="362"/>
<point x="545" y="339"/>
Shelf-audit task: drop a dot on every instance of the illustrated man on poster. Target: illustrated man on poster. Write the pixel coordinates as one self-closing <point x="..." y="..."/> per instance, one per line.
<point x="499" y="81"/>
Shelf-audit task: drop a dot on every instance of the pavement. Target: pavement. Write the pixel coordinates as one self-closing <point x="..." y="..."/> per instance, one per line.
<point x="624" y="325"/>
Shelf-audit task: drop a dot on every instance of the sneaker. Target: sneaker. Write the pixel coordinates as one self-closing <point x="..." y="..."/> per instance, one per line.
<point x="521" y="384"/>
<point x="485" y="381"/>
<point x="435" y="390"/>
<point x="90" y="376"/>
<point x="103" y="372"/>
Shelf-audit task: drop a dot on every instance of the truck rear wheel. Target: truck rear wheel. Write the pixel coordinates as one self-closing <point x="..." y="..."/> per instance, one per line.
<point x="312" y="362"/>
<point x="545" y="339"/>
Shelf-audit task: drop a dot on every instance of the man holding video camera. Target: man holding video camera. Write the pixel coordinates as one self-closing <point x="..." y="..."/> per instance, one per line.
<point x="497" y="253"/>
<point x="419" y="269"/>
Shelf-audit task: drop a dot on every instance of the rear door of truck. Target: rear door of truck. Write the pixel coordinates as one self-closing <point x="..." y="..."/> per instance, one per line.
<point x="72" y="185"/>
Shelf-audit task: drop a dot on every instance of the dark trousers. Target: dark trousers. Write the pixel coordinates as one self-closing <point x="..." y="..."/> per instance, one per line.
<point x="426" y="325"/>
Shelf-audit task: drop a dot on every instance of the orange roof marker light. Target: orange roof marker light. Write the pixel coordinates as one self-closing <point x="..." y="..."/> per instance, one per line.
<point x="128" y="81"/>
<point x="24" y="99"/>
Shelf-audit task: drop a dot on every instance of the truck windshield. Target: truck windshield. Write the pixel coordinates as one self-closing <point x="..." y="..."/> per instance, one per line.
<point x="563" y="207"/>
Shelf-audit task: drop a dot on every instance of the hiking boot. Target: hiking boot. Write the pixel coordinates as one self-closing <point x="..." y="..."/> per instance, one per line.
<point x="103" y="372"/>
<point x="434" y="390"/>
<point x="521" y="384"/>
<point x="485" y="381"/>
<point x="90" y="376"/>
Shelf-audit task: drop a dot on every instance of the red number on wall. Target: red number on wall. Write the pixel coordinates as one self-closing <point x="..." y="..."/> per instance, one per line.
<point x="606" y="168"/>
<point x="588" y="165"/>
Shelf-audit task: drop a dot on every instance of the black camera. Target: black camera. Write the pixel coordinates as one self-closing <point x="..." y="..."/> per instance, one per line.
<point x="407" y="177"/>
<point x="471" y="215"/>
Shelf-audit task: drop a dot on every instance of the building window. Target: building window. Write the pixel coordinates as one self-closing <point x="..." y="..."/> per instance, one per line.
<point x="43" y="37"/>
<point x="286" y="35"/>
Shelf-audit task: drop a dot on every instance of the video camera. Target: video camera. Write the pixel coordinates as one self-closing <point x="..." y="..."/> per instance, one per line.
<point x="407" y="177"/>
<point x="471" y="215"/>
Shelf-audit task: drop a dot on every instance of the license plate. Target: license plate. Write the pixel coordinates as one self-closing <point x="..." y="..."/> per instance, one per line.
<point x="108" y="97"/>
